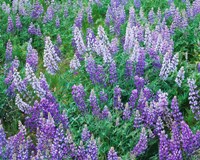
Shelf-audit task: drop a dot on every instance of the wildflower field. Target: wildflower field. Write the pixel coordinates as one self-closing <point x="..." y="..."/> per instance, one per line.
<point x="99" y="79"/>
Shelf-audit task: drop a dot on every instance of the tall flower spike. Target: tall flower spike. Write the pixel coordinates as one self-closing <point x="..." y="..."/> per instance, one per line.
<point x="163" y="146"/>
<point x="74" y="64"/>
<point x="117" y="98"/>
<point x="112" y="154"/>
<point x="92" y="149"/>
<point x="37" y="10"/>
<point x="91" y="68"/>
<point x="94" y="103"/>
<point x="194" y="98"/>
<point x="10" y="26"/>
<point x="133" y="98"/>
<point x="141" y="146"/>
<point x="23" y="106"/>
<point x="187" y="138"/>
<point x="180" y="76"/>
<point x="80" y="46"/>
<point x="50" y="57"/>
<point x="105" y="113"/>
<point x="9" y="50"/>
<point x="85" y="135"/>
<point x="57" y="22"/>
<point x="78" y="94"/>
<point x="137" y="120"/>
<point x="129" y="69"/>
<point x="126" y="112"/>
<point x="79" y="19"/>
<point x="32" y="56"/>
<point x="3" y="141"/>
<point x="89" y="15"/>
<point x="113" y="72"/>
<point x="18" y="22"/>
<point x="177" y="115"/>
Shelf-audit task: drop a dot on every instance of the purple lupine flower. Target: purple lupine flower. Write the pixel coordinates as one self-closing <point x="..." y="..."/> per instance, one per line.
<point x="100" y="75"/>
<point x="139" y="82"/>
<point x="151" y="16"/>
<point x="90" y="39"/>
<point x="103" y="96"/>
<point x="81" y="152"/>
<point x="59" y="40"/>
<point x="129" y="69"/>
<point x="163" y="146"/>
<point x="57" y="22"/>
<point x="113" y="72"/>
<point x="9" y="50"/>
<point x="174" y="63"/>
<point x="105" y="113"/>
<point x="175" y="143"/>
<point x="78" y="94"/>
<point x="38" y="31"/>
<point x="85" y="135"/>
<point x="162" y="105"/>
<point x="194" y="98"/>
<point x="137" y="120"/>
<point x="91" y="68"/>
<point x="147" y="93"/>
<point x="198" y="67"/>
<point x="78" y="20"/>
<point x="177" y="115"/>
<point x="133" y="98"/>
<point x="92" y="149"/>
<point x="66" y="13"/>
<point x="32" y="57"/>
<point x="137" y="4"/>
<point x="57" y="147"/>
<point x="89" y="15"/>
<point x="37" y="10"/>
<point x="94" y="103"/>
<point x="112" y="154"/>
<point x="180" y="76"/>
<point x="114" y="46"/>
<point x="50" y="59"/>
<point x="18" y="22"/>
<point x="159" y="126"/>
<point x="10" y="26"/>
<point x="148" y="115"/>
<point x="196" y="7"/>
<point x="3" y="141"/>
<point x="117" y="98"/>
<point x="9" y="76"/>
<point x="31" y="29"/>
<point x="80" y="46"/>
<point x="140" y="64"/>
<point x="141" y="146"/>
<point x="74" y="64"/>
<point x="126" y="112"/>
<point x="187" y="138"/>
<point x="50" y="13"/>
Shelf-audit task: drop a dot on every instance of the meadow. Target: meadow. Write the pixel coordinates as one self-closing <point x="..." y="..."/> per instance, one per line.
<point x="100" y="79"/>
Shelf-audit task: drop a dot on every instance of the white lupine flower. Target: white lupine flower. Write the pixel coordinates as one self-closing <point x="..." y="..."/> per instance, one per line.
<point x="50" y="59"/>
<point x="174" y="63"/>
<point x="180" y="76"/>
<point x="81" y="48"/>
<point x="136" y="51"/>
<point x="165" y="69"/>
<point x="23" y="106"/>
<point x="74" y="64"/>
<point x="17" y="80"/>
<point x="102" y="36"/>
<point x="34" y="81"/>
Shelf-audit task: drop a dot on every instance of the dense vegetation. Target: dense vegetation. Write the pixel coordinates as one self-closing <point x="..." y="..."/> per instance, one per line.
<point x="116" y="79"/>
